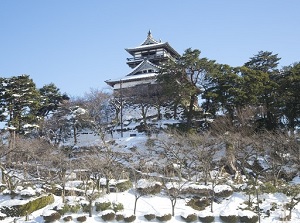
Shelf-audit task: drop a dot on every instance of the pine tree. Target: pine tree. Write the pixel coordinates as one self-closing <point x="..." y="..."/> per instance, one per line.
<point x="186" y="79"/>
<point x="19" y="102"/>
<point x="50" y="99"/>
<point x="289" y="95"/>
<point x="265" y="63"/>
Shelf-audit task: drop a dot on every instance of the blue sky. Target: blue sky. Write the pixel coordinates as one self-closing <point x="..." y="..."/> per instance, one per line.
<point x="77" y="45"/>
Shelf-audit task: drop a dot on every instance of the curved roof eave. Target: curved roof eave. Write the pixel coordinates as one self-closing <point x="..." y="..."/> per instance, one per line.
<point x="151" y="46"/>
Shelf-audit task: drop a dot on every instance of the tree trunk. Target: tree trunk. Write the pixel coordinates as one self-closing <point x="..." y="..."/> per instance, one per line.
<point x="175" y="110"/>
<point x="75" y="134"/>
<point x="90" y="208"/>
<point x="173" y="203"/>
<point x="230" y="154"/>
<point x="190" y="111"/>
<point x="107" y="186"/>
<point x="135" y="204"/>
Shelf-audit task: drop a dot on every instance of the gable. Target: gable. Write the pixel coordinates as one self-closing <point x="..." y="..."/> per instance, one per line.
<point x="145" y="67"/>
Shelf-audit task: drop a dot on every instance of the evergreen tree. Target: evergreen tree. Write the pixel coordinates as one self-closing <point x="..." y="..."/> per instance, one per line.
<point x="289" y="95"/>
<point x="19" y="102"/>
<point x="186" y="79"/>
<point x="265" y="63"/>
<point x="223" y="92"/>
<point x="50" y="99"/>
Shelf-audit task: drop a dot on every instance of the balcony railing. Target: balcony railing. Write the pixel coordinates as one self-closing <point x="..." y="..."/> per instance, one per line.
<point x="149" y="57"/>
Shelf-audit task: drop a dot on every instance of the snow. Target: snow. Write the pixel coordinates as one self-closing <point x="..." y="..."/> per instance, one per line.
<point x="220" y="188"/>
<point x="106" y="212"/>
<point x="205" y="213"/>
<point x="296" y="180"/>
<point x="48" y="212"/>
<point x="160" y="205"/>
<point x="154" y="204"/>
<point x="185" y="214"/>
<point x="28" y="192"/>
<point x="143" y="183"/>
<point x="246" y="213"/>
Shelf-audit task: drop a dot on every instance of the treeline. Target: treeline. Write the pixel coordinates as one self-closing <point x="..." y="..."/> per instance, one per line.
<point x="271" y="93"/>
<point x="26" y="110"/>
<point x="22" y="104"/>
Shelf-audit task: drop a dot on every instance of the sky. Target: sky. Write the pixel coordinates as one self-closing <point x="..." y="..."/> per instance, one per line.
<point x="77" y="45"/>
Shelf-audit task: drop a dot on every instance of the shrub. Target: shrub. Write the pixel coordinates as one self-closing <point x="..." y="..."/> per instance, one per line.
<point x="123" y="186"/>
<point x="81" y="218"/>
<point x="117" y="207"/>
<point x="108" y="215"/>
<point x="119" y="217"/>
<point x="223" y="191"/>
<point x="268" y="188"/>
<point x="85" y="208"/>
<point x="189" y="218"/>
<point x="68" y="208"/>
<point x="2" y="216"/>
<point x="201" y="192"/>
<point x="229" y="218"/>
<point x="68" y="218"/>
<point x="199" y="204"/>
<point x="102" y="206"/>
<point x="155" y="189"/>
<point x="34" y="205"/>
<point x="10" y="211"/>
<point x="248" y="216"/>
<point x="165" y="217"/>
<point x="149" y="217"/>
<point x="247" y="219"/>
<point x="130" y="218"/>
<point x="52" y="217"/>
<point x="74" y="208"/>
<point x="207" y="219"/>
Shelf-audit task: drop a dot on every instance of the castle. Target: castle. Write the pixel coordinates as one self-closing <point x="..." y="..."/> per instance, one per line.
<point x="145" y="62"/>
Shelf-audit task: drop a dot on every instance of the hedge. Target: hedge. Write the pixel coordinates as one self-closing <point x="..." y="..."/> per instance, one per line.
<point x="28" y="208"/>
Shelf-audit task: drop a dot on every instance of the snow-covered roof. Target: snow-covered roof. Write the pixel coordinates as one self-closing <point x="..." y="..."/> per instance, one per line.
<point x="150" y="39"/>
<point x="151" y="43"/>
<point x="145" y="65"/>
<point x="165" y="45"/>
<point x="133" y="78"/>
<point x="138" y="74"/>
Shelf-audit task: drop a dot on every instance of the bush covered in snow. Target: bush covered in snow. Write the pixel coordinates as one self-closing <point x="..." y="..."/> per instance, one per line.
<point x="2" y="216"/>
<point x="188" y="217"/>
<point x="65" y="208"/>
<point x="117" y="207"/>
<point x="206" y="217"/>
<point x="28" y="192"/>
<point x="119" y="216"/>
<point x="223" y="191"/>
<point x="29" y="207"/>
<point x="81" y="218"/>
<point x="68" y="218"/>
<point x="107" y="215"/>
<point x="229" y="218"/>
<point x="129" y="218"/>
<point x="148" y="187"/>
<point x="124" y="185"/>
<point x="163" y="217"/>
<point x="149" y="217"/>
<point x="51" y="215"/>
<point x="248" y="216"/>
<point x="103" y="205"/>
<point x="198" y="203"/>
<point x="196" y="190"/>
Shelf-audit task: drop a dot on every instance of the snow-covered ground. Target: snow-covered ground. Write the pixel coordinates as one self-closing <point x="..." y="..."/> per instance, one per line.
<point x="158" y="205"/>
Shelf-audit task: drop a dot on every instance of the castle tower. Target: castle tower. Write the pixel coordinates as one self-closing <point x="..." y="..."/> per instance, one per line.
<point x="145" y="62"/>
